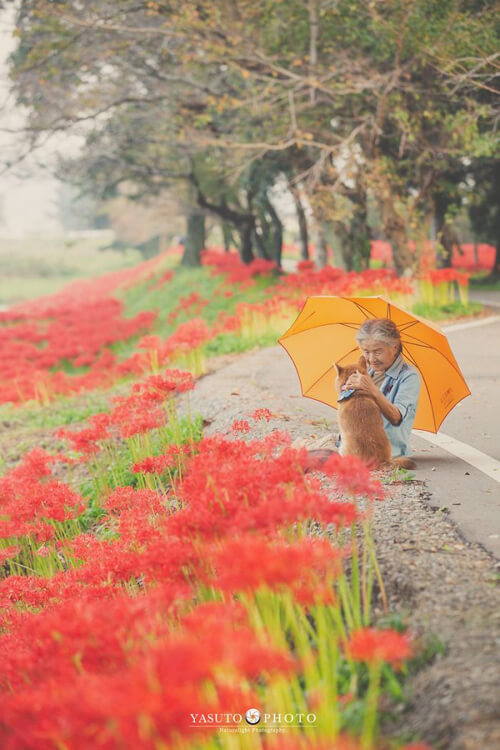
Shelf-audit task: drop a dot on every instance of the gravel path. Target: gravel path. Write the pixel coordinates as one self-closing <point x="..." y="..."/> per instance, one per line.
<point x="444" y="586"/>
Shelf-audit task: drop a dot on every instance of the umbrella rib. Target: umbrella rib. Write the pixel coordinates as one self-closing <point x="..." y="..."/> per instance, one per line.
<point x="318" y="379"/>
<point x="343" y="357"/>
<point x="362" y="309"/>
<point x="309" y="316"/>
<point x="404" y="326"/>
<point x="425" y="384"/>
<point x="331" y="368"/>
<point x="460" y="399"/>
<point x="302" y="322"/>
<point x="454" y="365"/>
<point x="354" y="326"/>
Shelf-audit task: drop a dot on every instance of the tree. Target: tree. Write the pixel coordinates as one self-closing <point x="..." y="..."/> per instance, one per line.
<point x="379" y="94"/>
<point x="484" y="208"/>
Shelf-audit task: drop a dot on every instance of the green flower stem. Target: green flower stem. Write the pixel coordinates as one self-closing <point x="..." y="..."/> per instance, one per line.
<point x="355" y="580"/>
<point x="372" y="698"/>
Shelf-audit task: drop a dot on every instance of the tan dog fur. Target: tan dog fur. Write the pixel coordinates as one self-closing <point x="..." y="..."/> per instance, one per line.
<point x="361" y="426"/>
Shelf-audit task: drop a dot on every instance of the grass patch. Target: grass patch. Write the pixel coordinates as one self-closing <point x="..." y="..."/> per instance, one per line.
<point x="62" y="411"/>
<point x="480" y="283"/>
<point x="451" y="310"/>
<point x="36" y="266"/>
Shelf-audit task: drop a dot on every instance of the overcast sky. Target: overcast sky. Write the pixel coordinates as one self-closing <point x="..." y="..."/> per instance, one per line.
<point x="27" y="195"/>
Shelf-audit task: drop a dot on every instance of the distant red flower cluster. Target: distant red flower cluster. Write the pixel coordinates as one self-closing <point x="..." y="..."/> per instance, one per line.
<point x="447" y="275"/>
<point x="188" y="337"/>
<point x="467" y="256"/>
<point x="231" y="266"/>
<point x="330" y="280"/>
<point x="193" y="303"/>
<point x="75" y="327"/>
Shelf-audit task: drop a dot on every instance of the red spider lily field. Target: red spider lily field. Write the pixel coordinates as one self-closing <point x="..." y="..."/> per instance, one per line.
<point x="160" y="586"/>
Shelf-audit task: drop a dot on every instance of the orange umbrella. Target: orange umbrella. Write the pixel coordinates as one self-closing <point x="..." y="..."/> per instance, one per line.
<point x="324" y="333"/>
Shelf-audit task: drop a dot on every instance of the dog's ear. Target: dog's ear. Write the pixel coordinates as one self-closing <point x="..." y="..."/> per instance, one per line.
<point x="339" y="368"/>
<point x="362" y="363"/>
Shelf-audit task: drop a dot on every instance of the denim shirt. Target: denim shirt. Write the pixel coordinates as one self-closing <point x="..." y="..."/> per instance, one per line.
<point x="401" y="386"/>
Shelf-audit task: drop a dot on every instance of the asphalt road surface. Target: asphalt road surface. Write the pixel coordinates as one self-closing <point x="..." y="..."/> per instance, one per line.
<point x="468" y="485"/>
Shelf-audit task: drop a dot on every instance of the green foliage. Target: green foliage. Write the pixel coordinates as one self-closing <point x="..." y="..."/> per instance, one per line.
<point x="451" y="310"/>
<point x="349" y="99"/>
<point x="229" y="343"/>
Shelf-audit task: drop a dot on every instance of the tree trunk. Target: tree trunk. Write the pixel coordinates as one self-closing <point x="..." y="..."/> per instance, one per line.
<point x="195" y="239"/>
<point x="277" y="234"/>
<point x="226" y="235"/>
<point x="494" y="274"/>
<point x="321" y="247"/>
<point x="354" y="238"/>
<point x="260" y="244"/>
<point x="447" y="238"/>
<point x="246" y="230"/>
<point x="302" y="219"/>
<point x="396" y="233"/>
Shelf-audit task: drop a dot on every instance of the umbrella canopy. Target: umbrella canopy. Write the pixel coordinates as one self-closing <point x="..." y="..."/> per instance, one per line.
<point x="324" y="333"/>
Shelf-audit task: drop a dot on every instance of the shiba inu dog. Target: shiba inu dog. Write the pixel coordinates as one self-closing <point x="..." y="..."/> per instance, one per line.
<point x="360" y="421"/>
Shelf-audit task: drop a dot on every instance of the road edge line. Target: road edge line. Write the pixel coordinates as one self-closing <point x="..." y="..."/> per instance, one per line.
<point x="479" y="460"/>
<point x="471" y="324"/>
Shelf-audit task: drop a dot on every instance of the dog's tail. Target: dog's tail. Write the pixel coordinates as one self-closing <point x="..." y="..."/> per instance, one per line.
<point x="403" y="462"/>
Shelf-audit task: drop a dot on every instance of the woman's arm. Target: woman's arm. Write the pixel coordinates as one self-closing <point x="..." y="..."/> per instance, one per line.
<point x="389" y="411"/>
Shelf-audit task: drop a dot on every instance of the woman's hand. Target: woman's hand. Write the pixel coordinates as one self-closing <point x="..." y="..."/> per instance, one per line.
<point x="362" y="383"/>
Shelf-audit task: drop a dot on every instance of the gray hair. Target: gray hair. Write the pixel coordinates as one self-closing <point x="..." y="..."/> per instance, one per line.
<point x="379" y="329"/>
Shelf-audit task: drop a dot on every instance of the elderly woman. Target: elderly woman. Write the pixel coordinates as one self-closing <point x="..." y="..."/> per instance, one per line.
<point x="393" y="383"/>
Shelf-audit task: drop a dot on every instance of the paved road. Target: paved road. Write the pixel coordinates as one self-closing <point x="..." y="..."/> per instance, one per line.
<point x="471" y="497"/>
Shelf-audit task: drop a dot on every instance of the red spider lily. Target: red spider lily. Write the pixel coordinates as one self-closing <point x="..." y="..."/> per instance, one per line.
<point x="246" y="563"/>
<point x="134" y="415"/>
<point x="126" y="498"/>
<point x="165" y="462"/>
<point x="161" y="387"/>
<point x="28" y="498"/>
<point x="306" y="265"/>
<point x="193" y="303"/>
<point x="188" y="336"/>
<point x="149" y="342"/>
<point x="370" y="645"/>
<point x="351" y="475"/>
<point x="228" y="488"/>
<point x="262" y="414"/>
<point x="226" y="323"/>
<point x="240" y="425"/>
<point x="231" y="266"/>
<point x="81" y="340"/>
<point x="86" y="441"/>
<point x="95" y="674"/>
<point x="8" y="552"/>
<point x="163" y="279"/>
